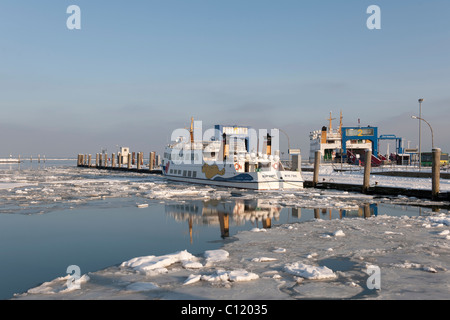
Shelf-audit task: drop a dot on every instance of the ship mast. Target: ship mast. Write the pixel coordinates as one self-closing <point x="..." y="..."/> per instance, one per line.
<point x="331" y="125"/>
<point x="191" y="131"/>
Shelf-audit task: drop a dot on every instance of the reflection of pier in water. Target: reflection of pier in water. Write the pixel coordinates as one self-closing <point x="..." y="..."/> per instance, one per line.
<point x="217" y="212"/>
<point x="366" y="210"/>
<point x="257" y="211"/>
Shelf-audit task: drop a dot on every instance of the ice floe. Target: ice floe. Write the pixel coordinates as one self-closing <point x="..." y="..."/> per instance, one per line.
<point x="309" y="271"/>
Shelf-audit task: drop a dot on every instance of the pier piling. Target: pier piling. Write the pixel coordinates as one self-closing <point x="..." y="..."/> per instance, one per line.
<point x="151" y="163"/>
<point x="435" y="173"/>
<point x="367" y="169"/>
<point x="316" y="168"/>
<point x="139" y="160"/>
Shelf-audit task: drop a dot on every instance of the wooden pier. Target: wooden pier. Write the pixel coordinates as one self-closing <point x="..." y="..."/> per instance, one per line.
<point x="380" y="190"/>
<point x="134" y="162"/>
<point x="433" y="194"/>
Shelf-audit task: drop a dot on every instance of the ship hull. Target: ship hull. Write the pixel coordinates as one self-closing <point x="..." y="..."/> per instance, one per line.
<point x="270" y="180"/>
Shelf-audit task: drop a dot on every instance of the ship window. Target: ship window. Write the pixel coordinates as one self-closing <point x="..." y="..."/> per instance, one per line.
<point x="263" y="166"/>
<point x="189" y="173"/>
<point x="184" y="173"/>
<point x="194" y="174"/>
<point x="179" y="171"/>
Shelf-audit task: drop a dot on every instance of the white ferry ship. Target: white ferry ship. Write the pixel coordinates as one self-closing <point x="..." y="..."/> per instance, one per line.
<point x="349" y="143"/>
<point x="227" y="159"/>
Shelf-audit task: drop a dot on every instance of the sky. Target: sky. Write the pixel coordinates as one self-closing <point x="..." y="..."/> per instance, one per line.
<point x="139" y="69"/>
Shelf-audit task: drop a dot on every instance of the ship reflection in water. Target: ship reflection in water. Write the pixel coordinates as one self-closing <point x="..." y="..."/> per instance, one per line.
<point x="255" y="213"/>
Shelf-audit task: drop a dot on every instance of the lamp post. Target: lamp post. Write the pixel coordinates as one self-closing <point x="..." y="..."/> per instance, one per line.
<point x="289" y="144"/>
<point x="432" y="134"/>
<point x="436" y="163"/>
<point x="420" y="133"/>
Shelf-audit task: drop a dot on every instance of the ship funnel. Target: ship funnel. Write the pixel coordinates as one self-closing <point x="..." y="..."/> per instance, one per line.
<point x="269" y="144"/>
<point x="324" y="135"/>
<point x="226" y="147"/>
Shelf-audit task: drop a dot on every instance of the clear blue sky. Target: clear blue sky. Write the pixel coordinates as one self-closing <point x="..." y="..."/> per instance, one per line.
<point x="139" y="69"/>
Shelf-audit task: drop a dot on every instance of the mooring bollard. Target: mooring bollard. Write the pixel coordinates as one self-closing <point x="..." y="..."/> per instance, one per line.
<point x="316" y="168"/>
<point x="367" y="169"/>
<point x="436" y="173"/>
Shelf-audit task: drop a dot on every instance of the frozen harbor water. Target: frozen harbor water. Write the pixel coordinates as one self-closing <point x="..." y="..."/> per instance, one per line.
<point x="137" y="236"/>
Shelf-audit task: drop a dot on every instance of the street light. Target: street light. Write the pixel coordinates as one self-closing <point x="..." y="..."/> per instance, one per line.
<point x="420" y="132"/>
<point x="432" y="134"/>
<point x="289" y="144"/>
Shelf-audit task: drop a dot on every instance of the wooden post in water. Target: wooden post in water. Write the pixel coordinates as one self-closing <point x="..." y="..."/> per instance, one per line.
<point x="100" y="160"/>
<point x="105" y="160"/>
<point x="367" y="169"/>
<point x="119" y="160"/>
<point x="89" y="161"/>
<point x="436" y="173"/>
<point x="316" y="168"/>
<point x="96" y="160"/>
<point x="367" y="210"/>
<point x="139" y="155"/>
<point x="151" y="162"/>
<point x="78" y="160"/>
<point x="129" y="161"/>
<point x="113" y="160"/>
